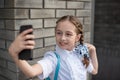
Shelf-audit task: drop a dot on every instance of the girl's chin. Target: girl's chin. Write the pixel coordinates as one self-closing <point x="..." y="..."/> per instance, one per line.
<point x="65" y="47"/>
<point x="62" y="47"/>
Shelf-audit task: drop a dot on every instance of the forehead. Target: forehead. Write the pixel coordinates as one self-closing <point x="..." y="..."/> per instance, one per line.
<point x="66" y="26"/>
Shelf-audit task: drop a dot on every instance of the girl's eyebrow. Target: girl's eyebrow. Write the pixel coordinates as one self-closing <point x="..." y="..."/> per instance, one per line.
<point x="58" y="30"/>
<point x="69" y="32"/>
<point x="66" y="31"/>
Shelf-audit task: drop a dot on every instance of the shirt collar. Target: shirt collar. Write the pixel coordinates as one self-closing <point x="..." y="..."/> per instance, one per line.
<point x="63" y="53"/>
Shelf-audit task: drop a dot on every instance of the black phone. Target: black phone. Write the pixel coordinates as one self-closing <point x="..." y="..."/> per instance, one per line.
<point x="25" y="54"/>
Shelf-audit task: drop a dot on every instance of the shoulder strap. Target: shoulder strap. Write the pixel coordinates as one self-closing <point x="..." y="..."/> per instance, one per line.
<point x="57" y="67"/>
<point x="48" y="78"/>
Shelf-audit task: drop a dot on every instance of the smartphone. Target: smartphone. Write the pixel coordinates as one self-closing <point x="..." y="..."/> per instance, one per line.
<point x="25" y="54"/>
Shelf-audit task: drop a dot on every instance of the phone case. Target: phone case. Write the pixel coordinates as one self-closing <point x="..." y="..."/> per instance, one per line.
<point x="25" y="54"/>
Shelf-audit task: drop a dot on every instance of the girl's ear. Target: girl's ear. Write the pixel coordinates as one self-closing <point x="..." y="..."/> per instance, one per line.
<point x="78" y="37"/>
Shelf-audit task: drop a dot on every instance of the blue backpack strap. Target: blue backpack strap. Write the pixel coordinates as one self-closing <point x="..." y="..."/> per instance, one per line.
<point x="48" y="78"/>
<point x="57" y="68"/>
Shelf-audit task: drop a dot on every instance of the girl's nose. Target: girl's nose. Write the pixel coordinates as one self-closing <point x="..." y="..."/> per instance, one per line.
<point x="63" y="38"/>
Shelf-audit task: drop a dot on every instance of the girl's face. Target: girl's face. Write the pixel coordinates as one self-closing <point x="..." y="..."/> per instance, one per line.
<point x="66" y="35"/>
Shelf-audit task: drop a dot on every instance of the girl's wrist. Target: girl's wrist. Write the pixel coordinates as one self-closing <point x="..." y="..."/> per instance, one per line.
<point x="13" y="55"/>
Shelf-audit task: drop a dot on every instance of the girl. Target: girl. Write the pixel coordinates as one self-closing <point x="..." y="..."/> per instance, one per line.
<point x="76" y="58"/>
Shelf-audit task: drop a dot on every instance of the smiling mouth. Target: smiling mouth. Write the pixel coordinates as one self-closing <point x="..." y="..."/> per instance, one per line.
<point x="62" y="43"/>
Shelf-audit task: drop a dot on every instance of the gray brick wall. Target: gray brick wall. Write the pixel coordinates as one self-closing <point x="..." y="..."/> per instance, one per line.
<point x="42" y="14"/>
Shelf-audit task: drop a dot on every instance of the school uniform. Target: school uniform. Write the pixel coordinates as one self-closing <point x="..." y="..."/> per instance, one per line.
<point x="71" y="66"/>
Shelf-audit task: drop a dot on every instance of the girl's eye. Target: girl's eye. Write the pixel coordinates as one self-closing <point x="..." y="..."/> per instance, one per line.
<point x="68" y="34"/>
<point x="58" y="33"/>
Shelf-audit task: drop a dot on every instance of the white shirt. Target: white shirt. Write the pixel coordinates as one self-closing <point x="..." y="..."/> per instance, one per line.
<point x="71" y="66"/>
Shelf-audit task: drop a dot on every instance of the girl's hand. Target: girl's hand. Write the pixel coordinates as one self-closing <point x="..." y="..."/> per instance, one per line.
<point x="93" y="56"/>
<point x="22" y="41"/>
<point x="92" y="49"/>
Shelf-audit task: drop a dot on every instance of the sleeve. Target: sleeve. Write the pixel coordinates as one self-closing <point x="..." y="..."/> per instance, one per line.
<point x="90" y="67"/>
<point x="48" y="64"/>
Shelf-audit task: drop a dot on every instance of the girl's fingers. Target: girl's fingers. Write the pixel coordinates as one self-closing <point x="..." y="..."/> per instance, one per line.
<point x="29" y="42"/>
<point x="26" y="32"/>
<point x="24" y="41"/>
<point x="29" y="36"/>
<point x="29" y="47"/>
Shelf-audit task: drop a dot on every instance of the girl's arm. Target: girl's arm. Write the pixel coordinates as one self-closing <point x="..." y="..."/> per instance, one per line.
<point x="27" y="69"/>
<point x="93" y="57"/>
<point x="21" y="42"/>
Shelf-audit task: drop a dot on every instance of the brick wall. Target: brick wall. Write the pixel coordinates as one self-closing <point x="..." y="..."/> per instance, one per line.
<point x="42" y="14"/>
